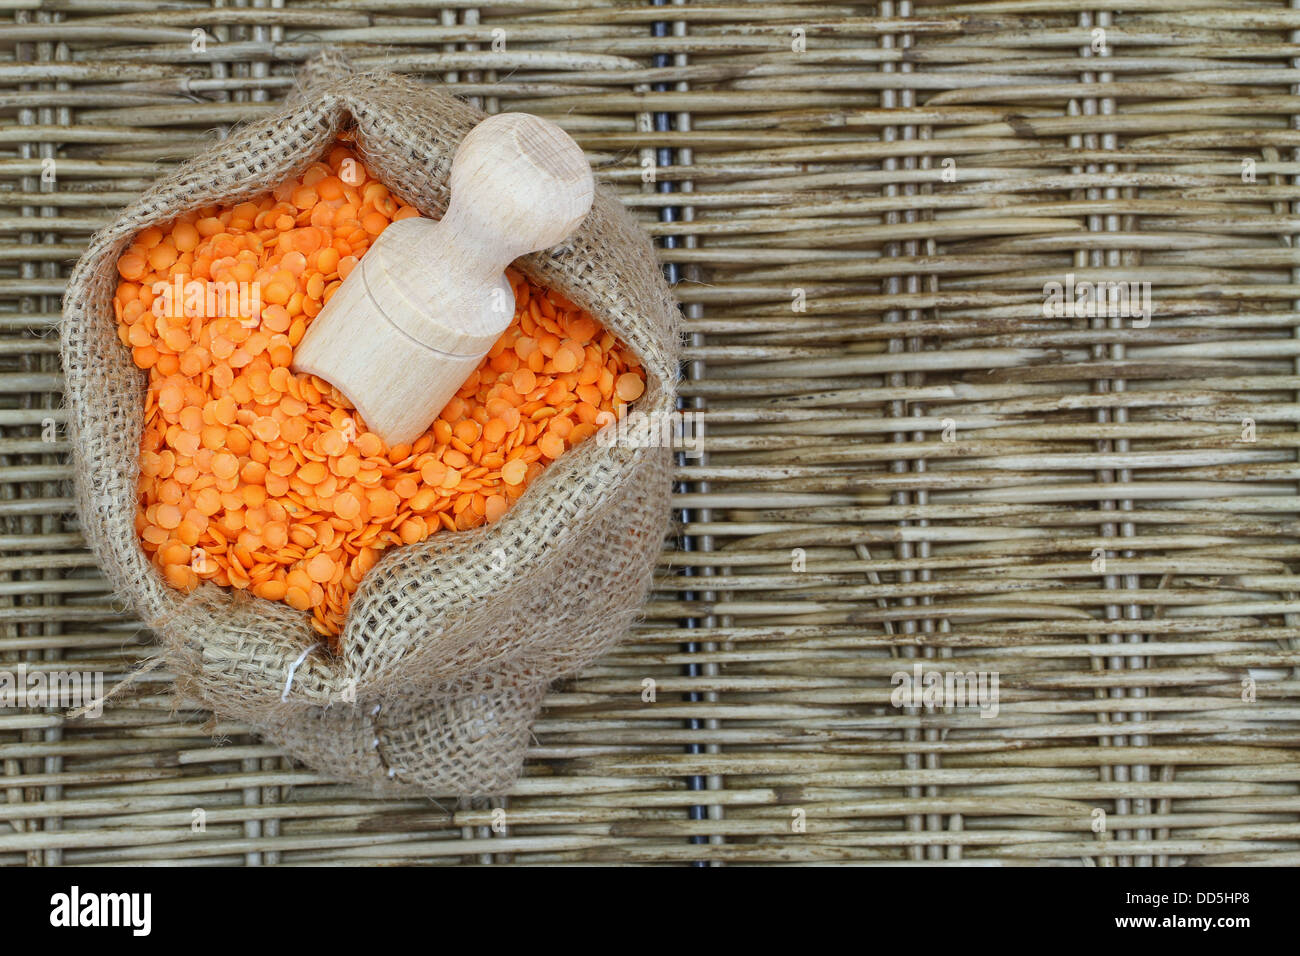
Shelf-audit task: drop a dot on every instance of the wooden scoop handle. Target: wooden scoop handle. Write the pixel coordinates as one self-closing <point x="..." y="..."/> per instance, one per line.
<point x="429" y="298"/>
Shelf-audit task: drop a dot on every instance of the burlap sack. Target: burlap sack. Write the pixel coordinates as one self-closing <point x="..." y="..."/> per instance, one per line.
<point x="451" y="643"/>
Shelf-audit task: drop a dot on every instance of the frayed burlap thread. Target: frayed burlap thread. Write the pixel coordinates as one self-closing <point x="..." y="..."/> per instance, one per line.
<point x="451" y="643"/>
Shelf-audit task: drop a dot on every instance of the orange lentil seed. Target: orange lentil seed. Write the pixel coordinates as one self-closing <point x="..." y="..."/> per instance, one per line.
<point x="256" y="478"/>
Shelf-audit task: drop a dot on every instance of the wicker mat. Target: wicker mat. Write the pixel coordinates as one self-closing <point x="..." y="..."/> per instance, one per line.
<point x="985" y="554"/>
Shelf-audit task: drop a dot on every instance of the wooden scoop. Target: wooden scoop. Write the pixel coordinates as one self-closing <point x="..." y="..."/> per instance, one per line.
<point x="429" y="298"/>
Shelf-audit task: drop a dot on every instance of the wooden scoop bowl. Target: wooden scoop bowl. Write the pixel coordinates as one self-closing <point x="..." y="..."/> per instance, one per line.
<point x="430" y="298"/>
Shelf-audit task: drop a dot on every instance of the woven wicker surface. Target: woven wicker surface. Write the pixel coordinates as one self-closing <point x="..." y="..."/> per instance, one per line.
<point x="909" y="462"/>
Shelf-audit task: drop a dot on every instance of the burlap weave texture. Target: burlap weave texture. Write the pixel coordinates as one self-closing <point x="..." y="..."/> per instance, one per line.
<point x="450" y="643"/>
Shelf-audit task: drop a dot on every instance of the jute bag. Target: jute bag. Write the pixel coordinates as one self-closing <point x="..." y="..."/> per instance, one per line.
<point x="450" y="643"/>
